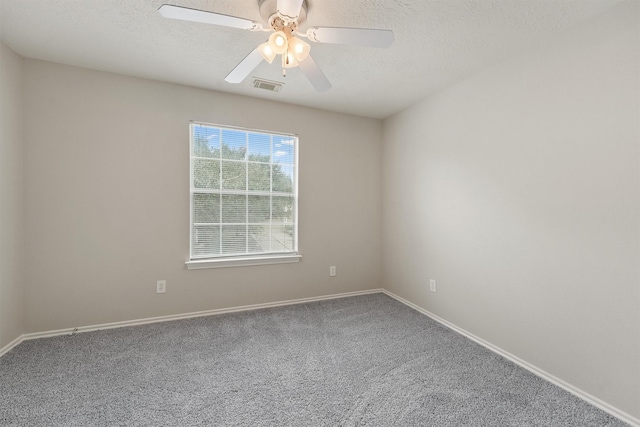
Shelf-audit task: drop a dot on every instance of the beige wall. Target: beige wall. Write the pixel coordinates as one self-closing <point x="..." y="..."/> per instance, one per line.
<point x="518" y="191"/>
<point x="107" y="200"/>
<point x="11" y="197"/>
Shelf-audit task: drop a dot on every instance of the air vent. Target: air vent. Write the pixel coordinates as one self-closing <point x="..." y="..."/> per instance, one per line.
<point x="267" y="84"/>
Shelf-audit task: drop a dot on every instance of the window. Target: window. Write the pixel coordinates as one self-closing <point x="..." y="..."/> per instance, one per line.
<point x="243" y="197"/>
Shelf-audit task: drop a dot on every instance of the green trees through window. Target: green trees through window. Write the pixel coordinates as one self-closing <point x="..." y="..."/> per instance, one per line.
<point x="243" y="192"/>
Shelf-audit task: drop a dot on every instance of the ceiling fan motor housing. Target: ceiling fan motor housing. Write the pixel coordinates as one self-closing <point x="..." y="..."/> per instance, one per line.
<point x="269" y="12"/>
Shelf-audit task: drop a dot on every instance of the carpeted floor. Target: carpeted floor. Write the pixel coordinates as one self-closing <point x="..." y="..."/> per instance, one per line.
<point x="360" y="361"/>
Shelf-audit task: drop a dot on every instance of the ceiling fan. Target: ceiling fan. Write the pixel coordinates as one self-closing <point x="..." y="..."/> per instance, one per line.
<point x="284" y="18"/>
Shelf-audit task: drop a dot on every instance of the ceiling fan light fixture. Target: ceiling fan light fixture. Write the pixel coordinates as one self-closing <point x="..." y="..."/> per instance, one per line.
<point x="299" y="49"/>
<point x="267" y="52"/>
<point x="278" y="42"/>
<point x="284" y="18"/>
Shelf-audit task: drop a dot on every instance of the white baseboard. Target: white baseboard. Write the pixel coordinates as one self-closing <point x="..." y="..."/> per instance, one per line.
<point x="148" y="320"/>
<point x="9" y="346"/>
<point x="627" y="418"/>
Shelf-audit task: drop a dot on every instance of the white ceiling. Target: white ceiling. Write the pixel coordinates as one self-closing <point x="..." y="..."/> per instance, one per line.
<point x="437" y="43"/>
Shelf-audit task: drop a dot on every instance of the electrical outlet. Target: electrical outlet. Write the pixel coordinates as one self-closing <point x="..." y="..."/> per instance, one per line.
<point x="332" y="270"/>
<point x="432" y="285"/>
<point x="161" y="286"/>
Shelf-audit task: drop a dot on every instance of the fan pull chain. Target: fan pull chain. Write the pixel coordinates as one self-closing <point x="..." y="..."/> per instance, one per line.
<point x="285" y="61"/>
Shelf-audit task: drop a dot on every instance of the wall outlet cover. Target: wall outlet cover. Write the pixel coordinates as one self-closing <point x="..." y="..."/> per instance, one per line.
<point x="161" y="286"/>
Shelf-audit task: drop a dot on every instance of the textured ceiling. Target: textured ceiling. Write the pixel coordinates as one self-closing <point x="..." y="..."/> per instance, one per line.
<point x="437" y="43"/>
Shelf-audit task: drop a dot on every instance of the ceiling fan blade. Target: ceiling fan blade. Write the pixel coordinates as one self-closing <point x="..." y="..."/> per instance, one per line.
<point x="245" y="67"/>
<point x="289" y="8"/>
<point x="315" y="75"/>
<point x="195" y="15"/>
<point x="351" y="36"/>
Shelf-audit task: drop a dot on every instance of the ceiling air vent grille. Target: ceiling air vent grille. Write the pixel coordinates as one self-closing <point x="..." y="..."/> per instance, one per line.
<point x="267" y="84"/>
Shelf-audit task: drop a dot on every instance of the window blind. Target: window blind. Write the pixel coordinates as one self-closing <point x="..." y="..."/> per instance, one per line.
<point x="243" y="192"/>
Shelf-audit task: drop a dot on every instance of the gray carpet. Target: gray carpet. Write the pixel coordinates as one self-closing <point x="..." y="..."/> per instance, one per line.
<point x="360" y="361"/>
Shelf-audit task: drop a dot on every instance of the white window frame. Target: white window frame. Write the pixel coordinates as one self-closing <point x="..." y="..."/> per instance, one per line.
<point x="248" y="259"/>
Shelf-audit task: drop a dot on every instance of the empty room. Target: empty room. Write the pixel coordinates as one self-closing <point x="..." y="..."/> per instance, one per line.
<point x="320" y="213"/>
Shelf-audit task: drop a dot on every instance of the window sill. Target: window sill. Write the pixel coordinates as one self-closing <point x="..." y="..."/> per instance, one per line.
<point x="242" y="261"/>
